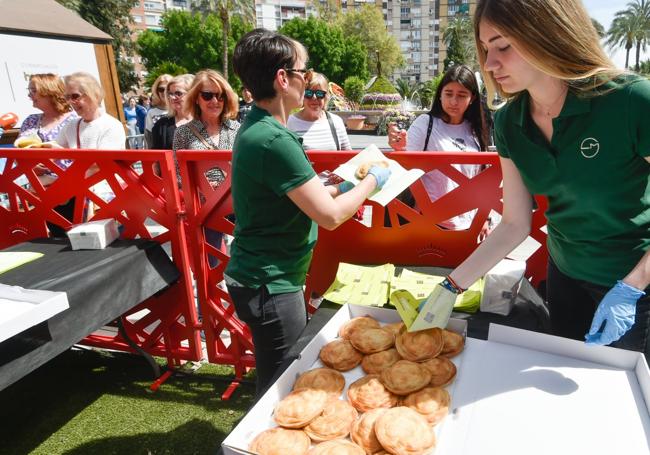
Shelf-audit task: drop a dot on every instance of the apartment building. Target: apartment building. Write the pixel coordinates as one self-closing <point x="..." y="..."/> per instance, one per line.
<point x="272" y="14"/>
<point x="417" y="26"/>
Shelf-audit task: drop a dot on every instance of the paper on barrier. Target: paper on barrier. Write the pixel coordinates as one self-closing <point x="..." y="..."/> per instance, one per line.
<point x="361" y="285"/>
<point x="399" y="179"/>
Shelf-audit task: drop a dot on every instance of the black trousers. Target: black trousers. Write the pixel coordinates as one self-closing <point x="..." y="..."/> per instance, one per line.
<point x="275" y="321"/>
<point x="572" y="304"/>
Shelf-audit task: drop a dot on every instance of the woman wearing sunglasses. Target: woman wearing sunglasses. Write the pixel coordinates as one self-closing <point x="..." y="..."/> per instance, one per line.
<point x="213" y="105"/>
<point x="318" y="129"/>
<point x="163" y="131"/>
<point x="279" y="200"/>
<point x="158" y="107"/>
<point x="47" y="94"/>
<point x="95" y="129"/>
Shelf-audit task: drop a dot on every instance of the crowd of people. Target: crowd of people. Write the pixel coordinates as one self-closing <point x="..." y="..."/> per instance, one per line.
<point x="571" y="129"/>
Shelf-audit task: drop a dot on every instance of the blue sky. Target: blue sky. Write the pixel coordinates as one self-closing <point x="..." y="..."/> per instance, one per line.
<point x="603" y="11"/>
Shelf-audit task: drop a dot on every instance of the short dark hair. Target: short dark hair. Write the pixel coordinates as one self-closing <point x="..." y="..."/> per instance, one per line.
<point x="259" y="55"/>
<point x="474" y="113"/>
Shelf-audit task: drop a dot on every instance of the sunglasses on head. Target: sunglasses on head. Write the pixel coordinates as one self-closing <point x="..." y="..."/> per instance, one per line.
<point x="72" y="96"/>
<point x="207" y="96"/>
<point x="320" y="94"/>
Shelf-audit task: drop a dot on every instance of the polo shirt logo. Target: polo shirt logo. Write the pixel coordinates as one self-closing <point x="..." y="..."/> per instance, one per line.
<point x="589" y="147"/>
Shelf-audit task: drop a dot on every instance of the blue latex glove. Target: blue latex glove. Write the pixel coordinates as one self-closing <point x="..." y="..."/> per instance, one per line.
<point x="345" y="186"/>
<point x="617" y="311"/>
<point x="381" y="174"/>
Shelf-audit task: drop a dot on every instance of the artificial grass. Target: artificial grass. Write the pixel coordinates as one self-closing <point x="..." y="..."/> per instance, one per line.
<point x="95" y="402"/>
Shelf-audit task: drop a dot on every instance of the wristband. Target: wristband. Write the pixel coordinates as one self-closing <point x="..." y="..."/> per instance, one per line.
<point x="452" y="286"/>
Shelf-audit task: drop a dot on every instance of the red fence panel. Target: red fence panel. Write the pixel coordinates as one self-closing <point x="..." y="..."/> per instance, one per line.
<point x="398" y="233"/>
<point x="144" y="187"/>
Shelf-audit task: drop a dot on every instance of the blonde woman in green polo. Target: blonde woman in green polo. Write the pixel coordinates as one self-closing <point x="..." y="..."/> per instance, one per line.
<point x="574" y="129"/>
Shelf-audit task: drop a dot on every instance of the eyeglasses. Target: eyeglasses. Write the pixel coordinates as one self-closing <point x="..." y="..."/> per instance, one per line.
<point x="320" y="94"/>
<point x="176" y="94"/>
<point x="161" y="89"/>
<point x="306" y="73"/>
<point x="31" y="91"/>
<point x="73" y="96"/>
<point x="207" y="96"/>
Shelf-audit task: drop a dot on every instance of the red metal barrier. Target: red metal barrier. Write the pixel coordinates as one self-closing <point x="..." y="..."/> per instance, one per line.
<point x="411" y="237"/>
<point x="398" y="233"/>
<point x="167" y="324"/>
<point x="228" y="340"/>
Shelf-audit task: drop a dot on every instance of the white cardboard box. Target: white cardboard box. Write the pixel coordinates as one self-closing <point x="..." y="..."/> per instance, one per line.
<point x="260" y="417"/>
<point x="22" y="308"/>
<point x="93" y="235"/>
<point x="518" y="392"/>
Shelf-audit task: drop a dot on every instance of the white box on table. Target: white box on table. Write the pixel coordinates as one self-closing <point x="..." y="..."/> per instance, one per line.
<point x="22" y="308"/>
<point x="93" y="235"/>
<point x="518" y="392"/>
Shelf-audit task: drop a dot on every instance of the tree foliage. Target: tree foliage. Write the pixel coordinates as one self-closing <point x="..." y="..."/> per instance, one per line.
<point x="327" y="10"/>
<point x="458" y="36"/>
<point x="631" y="28"/>
<point x="164" y="68"/>
<point x="244" y="10"/>
<point x="191" y="41"/>
<point x="367" y="25"/>
<point x="599" y="28"/>
<point x="354" y="88"/>
<point x="114" y="18"/>
<point x="330" y="52"/>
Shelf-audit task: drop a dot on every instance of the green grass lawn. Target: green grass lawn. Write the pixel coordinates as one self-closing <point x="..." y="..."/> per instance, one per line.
<point x="92" y="402"/>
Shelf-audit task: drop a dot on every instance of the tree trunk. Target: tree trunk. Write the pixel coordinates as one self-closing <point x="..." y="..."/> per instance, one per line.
<point x="225" y="25"/>
<point x="638" y="56"/>
<point x="627" y="57"/>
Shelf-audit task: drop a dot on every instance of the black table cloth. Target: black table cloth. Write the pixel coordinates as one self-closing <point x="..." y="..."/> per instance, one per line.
<point x="101" y="285"/>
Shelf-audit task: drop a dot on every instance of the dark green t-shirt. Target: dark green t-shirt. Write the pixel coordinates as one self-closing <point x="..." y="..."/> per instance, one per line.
<point x="594" y="174"/>
<point x="274" y="239"/>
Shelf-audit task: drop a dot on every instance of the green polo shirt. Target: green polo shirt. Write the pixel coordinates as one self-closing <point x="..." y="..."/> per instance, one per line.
<point x="594" y="174"/>
<point x="274" y="239"/>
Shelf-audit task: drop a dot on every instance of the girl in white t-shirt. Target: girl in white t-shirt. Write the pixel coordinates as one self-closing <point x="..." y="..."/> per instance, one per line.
<point x="456" y="123"/>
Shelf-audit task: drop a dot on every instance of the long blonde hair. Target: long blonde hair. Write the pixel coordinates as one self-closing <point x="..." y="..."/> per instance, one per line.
<point x="555" y="36"/>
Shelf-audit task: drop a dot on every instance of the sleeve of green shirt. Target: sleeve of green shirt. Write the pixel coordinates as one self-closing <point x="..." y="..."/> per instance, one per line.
<point x="639" y="109"/>
<point x="285" y="164"/>
<point x="499" y="125"/>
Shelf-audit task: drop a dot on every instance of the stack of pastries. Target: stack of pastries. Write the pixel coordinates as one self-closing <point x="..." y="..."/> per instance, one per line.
<point x="390" y="410"/>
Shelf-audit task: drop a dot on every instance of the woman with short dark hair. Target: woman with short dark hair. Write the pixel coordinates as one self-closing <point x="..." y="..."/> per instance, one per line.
<point x="278" y="200"/>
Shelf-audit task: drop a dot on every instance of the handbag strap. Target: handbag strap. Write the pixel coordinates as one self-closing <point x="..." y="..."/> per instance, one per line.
<point x="426" y="141"/>
<point x="198" y="135"/>
<point x="78" y="135"/>
<point x="333" y="129"/>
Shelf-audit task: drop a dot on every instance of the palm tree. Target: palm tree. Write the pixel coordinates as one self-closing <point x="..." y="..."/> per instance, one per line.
<point x="640" y="9"/>
<point x="631" y="28"/>
<point x="225" y="8"/>
<point x="406" y="88"/>
<point x="459" y="36"/>
<point x="621" y="34"/>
